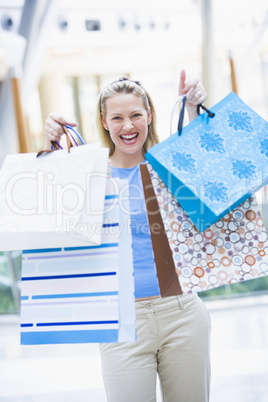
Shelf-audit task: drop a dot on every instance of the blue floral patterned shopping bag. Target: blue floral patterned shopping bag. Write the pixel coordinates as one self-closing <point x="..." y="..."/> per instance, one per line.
<point x="216" y="163"/>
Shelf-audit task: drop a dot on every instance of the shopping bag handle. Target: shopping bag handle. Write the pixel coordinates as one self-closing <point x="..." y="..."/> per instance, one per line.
<point x="69" y="138"/>
<point x="77" y="134"/>
<point x="209" y="112"/>
<point x="182" y="99"/>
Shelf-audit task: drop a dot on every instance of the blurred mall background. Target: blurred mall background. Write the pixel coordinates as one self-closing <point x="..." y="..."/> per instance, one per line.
<point x="56" y="55"/>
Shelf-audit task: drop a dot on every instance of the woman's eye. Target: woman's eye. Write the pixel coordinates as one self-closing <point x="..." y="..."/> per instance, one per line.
<point x="116" y="118"/>
<point x="136" y="115"/>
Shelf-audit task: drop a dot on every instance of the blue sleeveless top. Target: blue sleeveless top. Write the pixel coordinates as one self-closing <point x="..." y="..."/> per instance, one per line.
<point x="145" y="276"/>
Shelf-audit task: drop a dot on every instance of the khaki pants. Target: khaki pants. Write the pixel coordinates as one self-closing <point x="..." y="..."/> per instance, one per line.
<point x="173" y="340"/>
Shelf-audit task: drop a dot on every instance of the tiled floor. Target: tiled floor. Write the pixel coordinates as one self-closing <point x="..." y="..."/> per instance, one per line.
<point x="65" y="373"/>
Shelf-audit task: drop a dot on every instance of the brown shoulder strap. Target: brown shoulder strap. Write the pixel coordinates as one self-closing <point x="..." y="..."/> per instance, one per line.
<point x="167" y="278"/>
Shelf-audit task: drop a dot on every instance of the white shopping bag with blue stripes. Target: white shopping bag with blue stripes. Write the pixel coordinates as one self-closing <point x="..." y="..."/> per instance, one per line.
<point x="82" y="294"/>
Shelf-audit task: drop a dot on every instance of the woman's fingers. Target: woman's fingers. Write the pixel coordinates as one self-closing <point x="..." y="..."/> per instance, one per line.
<point x="182" y="83"/>
<point x="53" y="126"/>
<point x="61" y="119"/>
<point x="196" y="94"/>
<point x="193" y="90"/>
<point x="53" y="130"/>
<point x="191" y="84"/>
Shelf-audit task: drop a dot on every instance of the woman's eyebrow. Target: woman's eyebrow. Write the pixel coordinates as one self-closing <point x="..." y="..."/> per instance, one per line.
<point x="133" y="111"/>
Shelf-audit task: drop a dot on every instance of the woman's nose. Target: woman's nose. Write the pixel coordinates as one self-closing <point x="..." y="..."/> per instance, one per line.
<point x="128" y="124"/>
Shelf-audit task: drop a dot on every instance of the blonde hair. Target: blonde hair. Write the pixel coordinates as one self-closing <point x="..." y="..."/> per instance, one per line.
<point x="126" y="86"/>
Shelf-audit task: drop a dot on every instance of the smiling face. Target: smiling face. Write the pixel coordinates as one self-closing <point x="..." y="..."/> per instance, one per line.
<point x="127" y="121"/>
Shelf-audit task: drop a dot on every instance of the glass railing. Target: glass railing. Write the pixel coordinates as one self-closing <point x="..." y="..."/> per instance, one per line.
<point x="244" y="288"/>
<point x="10" y="273"/>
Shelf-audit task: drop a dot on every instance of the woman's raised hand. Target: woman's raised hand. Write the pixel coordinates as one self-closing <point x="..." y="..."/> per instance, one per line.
<point x="53" y="128"/>
<point x="195" y="94"/>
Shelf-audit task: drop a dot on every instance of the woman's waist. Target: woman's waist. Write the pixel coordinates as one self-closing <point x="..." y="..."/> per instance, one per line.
<point x="164" y="303"/>
<point x="147" y="298"/>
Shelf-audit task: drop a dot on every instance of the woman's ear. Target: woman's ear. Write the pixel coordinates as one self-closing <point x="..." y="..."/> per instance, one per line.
<point x="149" y="117"/>
<point x="104" y="123"/>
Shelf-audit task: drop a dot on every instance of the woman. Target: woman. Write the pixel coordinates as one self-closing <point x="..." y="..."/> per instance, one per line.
<point x="172" y="332"/>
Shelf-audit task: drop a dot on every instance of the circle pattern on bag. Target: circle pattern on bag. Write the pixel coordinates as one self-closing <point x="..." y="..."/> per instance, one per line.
<point x="232" y="250"/>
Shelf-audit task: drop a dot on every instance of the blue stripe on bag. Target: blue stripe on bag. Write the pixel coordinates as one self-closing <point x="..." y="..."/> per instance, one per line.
<point x="56" y="324"/>
<point x="59" y="337"/>
<point x="41" y="278"/>
<point x="91" y="247"/>
<point x="67" y="295"/>
<point x="42" y="250"/>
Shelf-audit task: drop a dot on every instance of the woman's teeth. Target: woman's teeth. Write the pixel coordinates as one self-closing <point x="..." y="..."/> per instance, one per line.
<point x="129" y="136"/>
